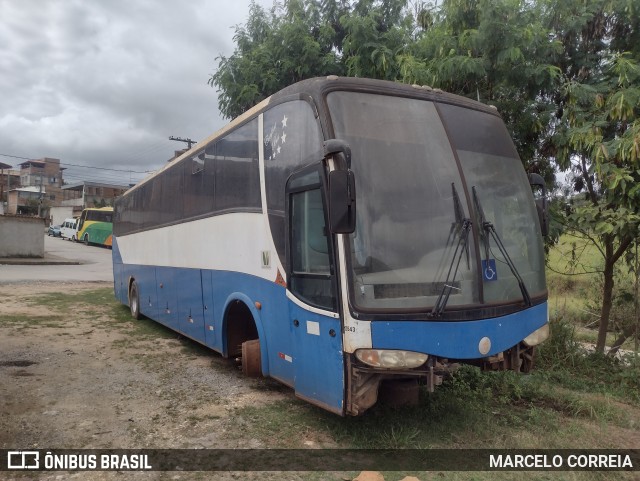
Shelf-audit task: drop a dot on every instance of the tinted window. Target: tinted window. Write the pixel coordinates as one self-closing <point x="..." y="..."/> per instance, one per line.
<point x="408" y="221"/>
<point x="291" y="136"/>
<point x="99" y="216"/>
<point x="223" y="175"/>
<point x="491" y="166"/>
<point x="198" y="177"/>
<point x="237" y="176"/>
<point x="311" y="264"/>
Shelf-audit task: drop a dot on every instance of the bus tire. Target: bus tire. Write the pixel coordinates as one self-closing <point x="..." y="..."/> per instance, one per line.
<point x="251" y="364"/>
<point x="86" y="239"/>
<point x="134" y="301"/>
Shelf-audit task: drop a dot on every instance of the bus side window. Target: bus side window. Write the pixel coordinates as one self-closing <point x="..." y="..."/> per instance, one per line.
<point x="237" y="175"/>
<point x="311" y="263"/>
<point x="311" y="254"/>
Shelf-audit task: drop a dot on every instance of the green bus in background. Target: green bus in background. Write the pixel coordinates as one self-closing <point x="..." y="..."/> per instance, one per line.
<point x="96" y="226"/>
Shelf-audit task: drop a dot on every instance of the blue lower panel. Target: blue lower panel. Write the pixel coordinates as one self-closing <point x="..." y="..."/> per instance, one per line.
<point x="318" y="361"/>
<point x="168" y="290"/>
<point x="190" y="319"/>
<point x="193" y="302"/>
<point x="458" y="340"/>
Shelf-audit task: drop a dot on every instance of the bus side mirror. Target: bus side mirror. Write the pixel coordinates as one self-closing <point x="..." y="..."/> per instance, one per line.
<point x="342" y="202"/>
<point x="536" y="180"/>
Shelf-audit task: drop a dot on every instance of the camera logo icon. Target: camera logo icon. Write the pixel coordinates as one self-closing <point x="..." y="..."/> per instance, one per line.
<point x="23" y="460"/>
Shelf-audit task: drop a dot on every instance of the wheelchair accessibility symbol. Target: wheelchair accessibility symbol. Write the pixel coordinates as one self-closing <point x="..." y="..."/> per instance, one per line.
<point x="489" y="272"/>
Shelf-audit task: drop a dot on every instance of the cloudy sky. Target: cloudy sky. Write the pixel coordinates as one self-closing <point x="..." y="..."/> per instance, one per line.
<point x="104" y="83"/>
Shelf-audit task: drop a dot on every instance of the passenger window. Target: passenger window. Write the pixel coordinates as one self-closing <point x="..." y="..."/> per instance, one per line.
<point x="311" y="275"/>
<point x="311" y="252"/>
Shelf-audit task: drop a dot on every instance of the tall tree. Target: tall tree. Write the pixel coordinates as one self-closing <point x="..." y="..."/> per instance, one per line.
<point x="597" y="137"/>
<point x="563" y="74"/>
<point x="274" y="49"/>
<point x="498" y="52"/>
<point x="376" y="35"/>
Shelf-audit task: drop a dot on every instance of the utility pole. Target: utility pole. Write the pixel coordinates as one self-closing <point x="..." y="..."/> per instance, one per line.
<point x="40" y="199"/>
<point x="180" y="139"/>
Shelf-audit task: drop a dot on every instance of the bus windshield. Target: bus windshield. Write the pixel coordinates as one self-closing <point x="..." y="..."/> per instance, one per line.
<point x="410" y="158"/>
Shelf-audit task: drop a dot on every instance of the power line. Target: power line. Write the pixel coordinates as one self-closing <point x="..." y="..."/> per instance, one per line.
<point x="111" y="180"/>
<point x="79" y="165"/>
<point x="187" y="140"/>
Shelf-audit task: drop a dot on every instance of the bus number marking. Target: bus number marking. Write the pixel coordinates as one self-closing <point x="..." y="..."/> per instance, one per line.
<point x="266" y="259"/>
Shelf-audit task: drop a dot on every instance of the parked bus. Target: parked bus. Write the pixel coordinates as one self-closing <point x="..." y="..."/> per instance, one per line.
<point x="68" y="229"/>
<point x="95" y="226"/>
<point x="251" y="243"/>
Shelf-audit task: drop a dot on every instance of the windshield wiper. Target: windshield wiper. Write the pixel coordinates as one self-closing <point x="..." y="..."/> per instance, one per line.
<point x="461" y="227"/>
<point x="490" y="230"/>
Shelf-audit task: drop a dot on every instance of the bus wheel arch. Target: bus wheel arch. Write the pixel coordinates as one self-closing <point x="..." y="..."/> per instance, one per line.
<point x="243" y="335"/>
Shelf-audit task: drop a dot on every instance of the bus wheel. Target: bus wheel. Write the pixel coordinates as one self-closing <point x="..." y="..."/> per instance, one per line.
<point x="86" y="239"/>
<point x="251" y="365"/>
<point x="134" y="301"/>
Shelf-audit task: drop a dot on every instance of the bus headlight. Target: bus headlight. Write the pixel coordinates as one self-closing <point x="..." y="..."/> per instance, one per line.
<point x="391" y="359"/>
<point x="537" y="336"/>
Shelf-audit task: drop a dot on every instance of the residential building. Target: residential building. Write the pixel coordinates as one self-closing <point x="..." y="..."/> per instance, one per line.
<point x="9" y="179"/>
<point x="25" y="200"/>
<point x="90" y="194"/>
<point x="46" y="175"/>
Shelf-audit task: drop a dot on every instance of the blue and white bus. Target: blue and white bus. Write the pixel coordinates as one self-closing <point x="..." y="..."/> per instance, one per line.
<point x="341" y="234"/>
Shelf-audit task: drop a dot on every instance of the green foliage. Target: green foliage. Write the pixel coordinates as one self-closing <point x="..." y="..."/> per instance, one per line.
<point x="565" y="76"/>
<point x="598" y="134"/>
<point x="564" y="360"/>
<point x="71" y="301"/>
<point x="277" y="48"/>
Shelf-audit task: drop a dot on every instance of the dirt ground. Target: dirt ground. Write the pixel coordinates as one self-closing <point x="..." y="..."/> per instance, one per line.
<point x="77" y="376"/>
<point x="80" y="380"/>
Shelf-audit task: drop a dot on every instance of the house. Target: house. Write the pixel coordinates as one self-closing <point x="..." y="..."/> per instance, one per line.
<point x="25" y="200"/>
<point x="9" y="179"/>
<point x="91" y="194"/>
<point x="42" y="191"/>
<point x="46" y="175"/>
<point x="40" y="187"/>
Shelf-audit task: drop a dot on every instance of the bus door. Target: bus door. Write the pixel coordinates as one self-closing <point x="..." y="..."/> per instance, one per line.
<point x="80" y="224"/>
<point x="313" y="306"/>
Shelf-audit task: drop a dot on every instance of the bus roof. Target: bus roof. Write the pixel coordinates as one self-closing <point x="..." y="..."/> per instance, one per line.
<point x="316" y="88"/>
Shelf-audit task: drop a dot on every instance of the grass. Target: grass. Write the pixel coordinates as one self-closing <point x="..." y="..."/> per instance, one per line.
<point x="564" y="361"/>
<point x="473" y="410"/>
<point x="27" y="322"/>
<point x="574" y="283"/>
<point x="71" y="302"/>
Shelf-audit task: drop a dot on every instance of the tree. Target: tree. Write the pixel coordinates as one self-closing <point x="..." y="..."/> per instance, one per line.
<point x="497" y="52"/>
<point x="563" y="74"/>
<point x="494" y="50"/>
<point x="598" y="133"/>
<point x="377" y="33"/>
<point x="275" y="49"/>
